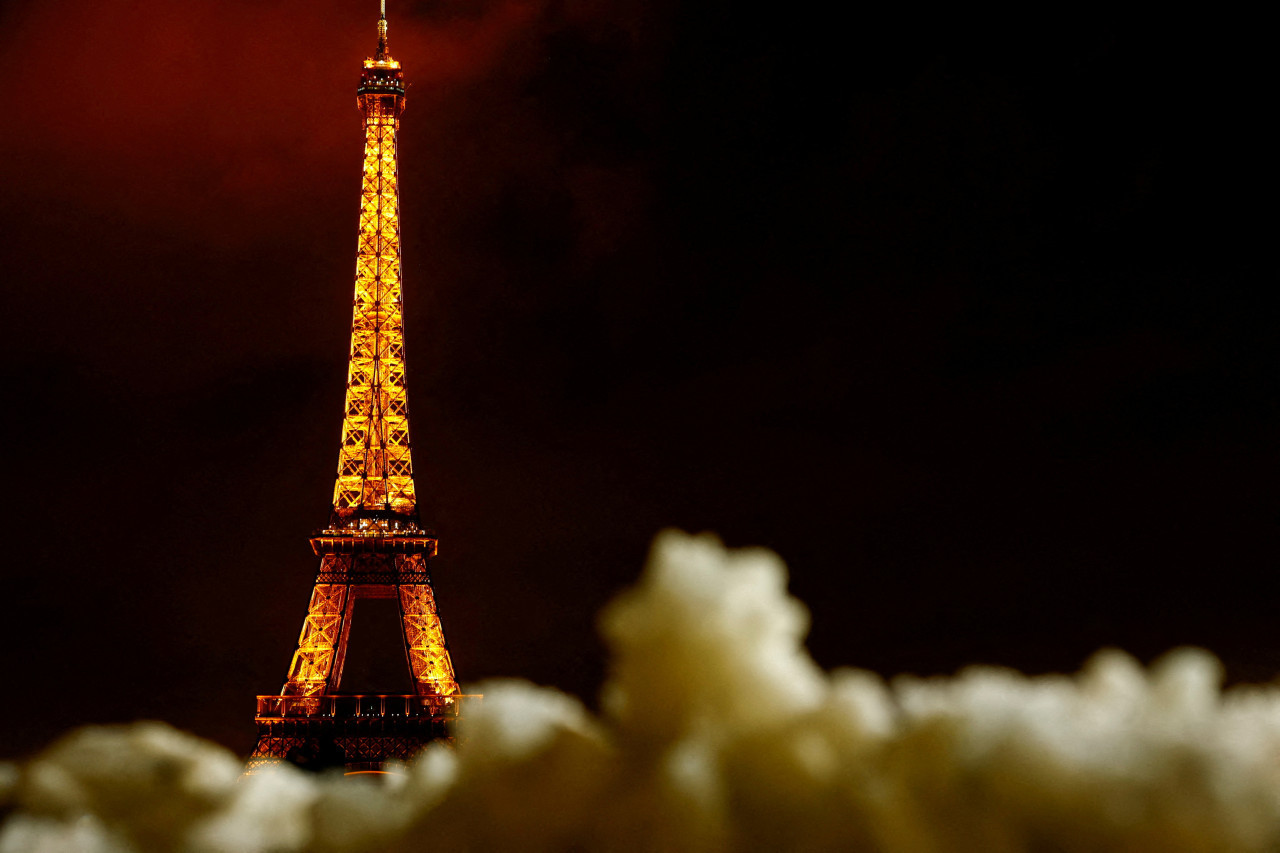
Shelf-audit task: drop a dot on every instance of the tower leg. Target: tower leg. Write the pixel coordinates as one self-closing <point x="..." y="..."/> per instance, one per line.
<point x="320" y="641"/>
<point x="428" y="654"/>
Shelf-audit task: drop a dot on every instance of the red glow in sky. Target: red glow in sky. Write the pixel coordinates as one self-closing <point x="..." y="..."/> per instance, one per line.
<point x="958" y="316"/>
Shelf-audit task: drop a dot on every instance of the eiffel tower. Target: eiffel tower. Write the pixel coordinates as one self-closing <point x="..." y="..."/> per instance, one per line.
<point x="374" y="545"/>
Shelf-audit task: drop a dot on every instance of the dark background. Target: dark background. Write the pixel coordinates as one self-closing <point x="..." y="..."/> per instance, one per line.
<point x="964" y="317"/>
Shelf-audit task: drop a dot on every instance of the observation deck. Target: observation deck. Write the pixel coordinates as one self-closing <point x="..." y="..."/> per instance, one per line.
<point x="342" y="542"/>
<point x="363" y="706"/>
<point x="381" y="78"/>
<point x="366" y="531"/>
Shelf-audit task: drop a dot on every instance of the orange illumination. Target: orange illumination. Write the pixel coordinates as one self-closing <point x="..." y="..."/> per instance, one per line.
<point x="424" y="638"/>
<point x="321" y="635"/>
<point x="374" y="546"/>
<point x="375" y="470"/>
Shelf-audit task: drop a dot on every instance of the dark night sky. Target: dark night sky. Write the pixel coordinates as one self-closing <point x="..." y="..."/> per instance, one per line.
<point x="963" y="317"/>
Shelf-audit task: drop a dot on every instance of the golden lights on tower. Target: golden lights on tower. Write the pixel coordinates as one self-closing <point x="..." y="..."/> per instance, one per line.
<point x="375" y="468"/>
<point x="374" y="546"/>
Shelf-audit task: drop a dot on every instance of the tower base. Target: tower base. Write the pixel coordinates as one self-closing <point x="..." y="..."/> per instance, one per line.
<point x="353" y="732"/>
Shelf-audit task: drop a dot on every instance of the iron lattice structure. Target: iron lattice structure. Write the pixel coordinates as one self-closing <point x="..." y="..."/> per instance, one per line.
<point x="374" y="545"/>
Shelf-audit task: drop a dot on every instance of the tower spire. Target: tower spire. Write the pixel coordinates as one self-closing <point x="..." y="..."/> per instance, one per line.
<point x="382" y="53"/>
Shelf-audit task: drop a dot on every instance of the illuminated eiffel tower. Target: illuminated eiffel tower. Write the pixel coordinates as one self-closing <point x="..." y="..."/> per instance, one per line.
<point x="374" y="545"/>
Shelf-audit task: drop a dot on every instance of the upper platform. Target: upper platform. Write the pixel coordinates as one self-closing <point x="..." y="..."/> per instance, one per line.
<point x="365" y="531"/>
<point x="337" y="542"/>
<point x="380" y="94"/>
<point x="381" y="79"/>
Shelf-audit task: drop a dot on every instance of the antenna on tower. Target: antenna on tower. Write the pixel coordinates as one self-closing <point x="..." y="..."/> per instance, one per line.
<point x="382" y="33"/>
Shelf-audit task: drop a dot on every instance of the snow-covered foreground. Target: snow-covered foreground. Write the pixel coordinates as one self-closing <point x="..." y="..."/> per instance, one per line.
<point x="720" y="733"/>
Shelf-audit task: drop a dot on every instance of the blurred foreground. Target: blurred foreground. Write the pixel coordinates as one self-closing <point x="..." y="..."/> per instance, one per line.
<point x="718" y="732"/>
